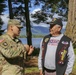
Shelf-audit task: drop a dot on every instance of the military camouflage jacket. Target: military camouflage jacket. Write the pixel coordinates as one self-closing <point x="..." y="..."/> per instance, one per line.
<point x="12" y="54"/>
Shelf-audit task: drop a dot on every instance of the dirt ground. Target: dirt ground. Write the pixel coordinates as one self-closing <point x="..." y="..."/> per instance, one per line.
<point x="32" y="62"/>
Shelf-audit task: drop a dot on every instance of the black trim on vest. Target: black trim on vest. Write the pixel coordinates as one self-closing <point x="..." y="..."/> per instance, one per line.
<point x="61" y="60"/>
<point x="61" y="55"/>
<point x="44" y="48"/>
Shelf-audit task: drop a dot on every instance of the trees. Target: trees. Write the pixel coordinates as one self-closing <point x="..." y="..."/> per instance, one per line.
<point x="51" y="7"/>
<point x="28" y="27"/>
<point x="64" y="8"/>
<point x="22" y="13"/>
<point x="2" y="6"/>
<point x="10" y="9"/>
<point x="71" y="25"/>
<point x="1" y="23"/>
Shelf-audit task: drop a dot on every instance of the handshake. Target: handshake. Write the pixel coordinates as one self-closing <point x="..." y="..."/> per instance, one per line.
<point x="29" y="49"/>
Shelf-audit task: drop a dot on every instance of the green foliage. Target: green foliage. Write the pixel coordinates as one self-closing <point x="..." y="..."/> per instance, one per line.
<point x="2" y="6"/>
<point x="22" y="36"/>
<point x="74" y="45"/>
<point x="31" y="70"/>
<point x="40" y="15"/>
<point x="50" y="7"/>
<point x="75" y="51"/>
<point x="37" y="36"/>
<point x="74" y="69"/>
<point x="1" y="22"/>
<point x="33" y="36"/>
<point x="19" y="10"/>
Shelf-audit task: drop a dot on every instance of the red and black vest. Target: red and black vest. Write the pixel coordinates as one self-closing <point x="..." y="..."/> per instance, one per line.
<point x="61" y="53"/>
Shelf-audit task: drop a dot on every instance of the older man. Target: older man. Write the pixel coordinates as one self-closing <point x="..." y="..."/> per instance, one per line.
<point x="56" y="55"/>
<point x="12" y="51"/>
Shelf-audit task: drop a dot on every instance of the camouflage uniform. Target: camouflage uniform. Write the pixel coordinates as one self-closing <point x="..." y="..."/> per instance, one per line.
<point x="11" y="55"/>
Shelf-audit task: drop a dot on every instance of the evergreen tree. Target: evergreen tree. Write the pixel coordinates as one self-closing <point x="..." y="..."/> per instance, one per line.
<point x="2" y="6"/>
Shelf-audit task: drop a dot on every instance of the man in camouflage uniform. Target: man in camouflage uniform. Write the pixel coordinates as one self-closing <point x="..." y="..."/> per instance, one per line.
<point x="12" y="51"/>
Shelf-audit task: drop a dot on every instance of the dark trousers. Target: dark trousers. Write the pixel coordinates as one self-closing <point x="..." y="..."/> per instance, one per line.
<point x="49" y="73"/>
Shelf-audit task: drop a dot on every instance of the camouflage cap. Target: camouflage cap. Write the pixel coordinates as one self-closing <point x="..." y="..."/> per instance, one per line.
<point x="15" y="22"/>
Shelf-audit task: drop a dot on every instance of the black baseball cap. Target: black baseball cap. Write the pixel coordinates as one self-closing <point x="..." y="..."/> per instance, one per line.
<point x="56" y="21"/>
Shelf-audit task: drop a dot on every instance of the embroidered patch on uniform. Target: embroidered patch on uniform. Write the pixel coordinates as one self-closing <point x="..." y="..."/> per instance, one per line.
<point x="16" y="40"/>
<point x="4" y="44"/>
<point x="46" y="39"/>
<point x="63" y="42"/>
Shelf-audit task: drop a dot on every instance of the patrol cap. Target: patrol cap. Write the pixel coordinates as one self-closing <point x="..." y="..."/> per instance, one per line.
<point x="15" y="22"/>
<point x="56" y="21"/>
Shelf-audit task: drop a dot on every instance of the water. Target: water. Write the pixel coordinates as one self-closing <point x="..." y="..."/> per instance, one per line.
<point x="35" y="41"/>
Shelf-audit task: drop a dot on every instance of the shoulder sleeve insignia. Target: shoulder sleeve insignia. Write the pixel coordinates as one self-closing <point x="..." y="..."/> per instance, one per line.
<point x="4" y="44"/>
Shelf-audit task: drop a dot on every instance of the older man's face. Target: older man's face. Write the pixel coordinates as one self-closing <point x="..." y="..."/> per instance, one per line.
<point x="55" y="30"/>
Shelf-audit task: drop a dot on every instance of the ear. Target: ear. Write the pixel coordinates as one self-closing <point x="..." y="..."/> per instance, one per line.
<point x="60" y="28"/>
<point x="11" y="27"/>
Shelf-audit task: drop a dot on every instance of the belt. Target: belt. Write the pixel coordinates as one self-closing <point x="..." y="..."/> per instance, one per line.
<point x="49" y="70"/>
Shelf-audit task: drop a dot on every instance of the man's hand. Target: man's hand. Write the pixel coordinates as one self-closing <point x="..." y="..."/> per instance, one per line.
<point x="41" y="73"/>
<point x="29" y="49"/>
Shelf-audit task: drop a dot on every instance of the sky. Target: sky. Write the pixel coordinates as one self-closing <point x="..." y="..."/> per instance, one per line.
<point x="32" y="10"/>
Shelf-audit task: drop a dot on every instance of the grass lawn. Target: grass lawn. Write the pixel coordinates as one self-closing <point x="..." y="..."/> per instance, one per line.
<point x="33" y="68"/>
<point x="74" y="69"/>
